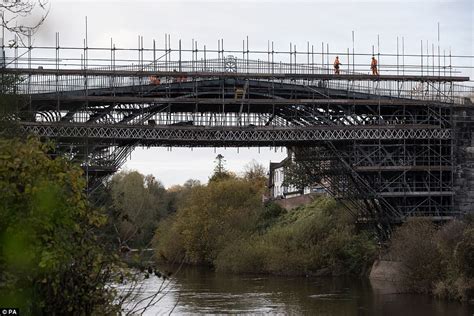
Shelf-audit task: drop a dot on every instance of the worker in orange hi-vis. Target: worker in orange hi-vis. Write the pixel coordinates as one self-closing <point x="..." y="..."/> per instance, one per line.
<point x="154" y="80"/>
<point x="337" y="63"/>
<point x="373" y="66"/>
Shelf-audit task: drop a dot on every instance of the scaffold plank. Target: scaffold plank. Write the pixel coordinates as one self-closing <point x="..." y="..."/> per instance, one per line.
<point x="206" y="74"/>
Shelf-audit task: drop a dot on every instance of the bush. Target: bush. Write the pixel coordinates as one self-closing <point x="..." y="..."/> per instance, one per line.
<point x="224" y="225"/>
<point x="50" y="257"/>
<point x="438" y="261"/>
<point x="210" y="218"/>
<point x="168" y="242"/>
<point x="459" y="289"/>
<point x="137" y="202"/>
<point x="300" y="242"/>
<point x="270" y="214"/>
<point x="415" y="246"/>
<point x="464" y="253"/>
<point x="244" y="255"/>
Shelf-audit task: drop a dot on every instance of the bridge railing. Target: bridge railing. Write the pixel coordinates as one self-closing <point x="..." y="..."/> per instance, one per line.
<point x="432" y="91"/>
<point x="251" y="61"/>
<point x="96" y="59"/>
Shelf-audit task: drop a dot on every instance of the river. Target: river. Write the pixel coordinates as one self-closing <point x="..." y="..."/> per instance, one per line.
<point x="201" y="291"/>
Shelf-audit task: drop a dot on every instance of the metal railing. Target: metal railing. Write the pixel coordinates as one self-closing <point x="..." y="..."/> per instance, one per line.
<point x="410" y="80"/>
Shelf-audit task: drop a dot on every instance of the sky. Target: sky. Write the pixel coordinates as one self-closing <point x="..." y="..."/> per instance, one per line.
<point x="282" y="22"/>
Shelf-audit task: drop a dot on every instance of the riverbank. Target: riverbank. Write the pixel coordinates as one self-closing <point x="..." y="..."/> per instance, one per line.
<point x="223" y="225"/>
<point x="435" y="259"/>
<point x="316" y="239"/>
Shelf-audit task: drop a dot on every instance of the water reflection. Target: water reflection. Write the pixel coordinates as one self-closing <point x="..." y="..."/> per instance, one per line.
<point x="198" y="290"/>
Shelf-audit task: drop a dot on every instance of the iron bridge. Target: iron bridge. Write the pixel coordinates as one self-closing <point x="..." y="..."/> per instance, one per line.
<point x="390" y="146"/>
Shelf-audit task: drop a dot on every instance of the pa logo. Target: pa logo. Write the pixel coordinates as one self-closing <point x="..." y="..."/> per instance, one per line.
<point x="9" y="311"/>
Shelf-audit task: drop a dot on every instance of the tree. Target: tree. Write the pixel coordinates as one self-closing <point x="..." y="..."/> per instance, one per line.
<point x="191" y="183"/>
<point x="177" y="194"/>
<point x="220" y="173"/>
<point x="301" y="174"/>
<point x="51" y="259"/>
<point x="138" y="202"/>
<point x="210" y="218"/>
<point x="13" y="15"/>
<point x="11" y="105"/>
<point x="14" y="12"/>
<point x="256" y="174"/>
<point x="219" y="164"/>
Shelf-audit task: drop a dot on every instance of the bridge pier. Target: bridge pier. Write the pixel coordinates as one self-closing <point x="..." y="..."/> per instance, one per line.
<point x="464" y="171"/>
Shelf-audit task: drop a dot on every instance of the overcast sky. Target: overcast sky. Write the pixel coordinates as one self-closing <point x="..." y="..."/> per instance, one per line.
<point x="279" y="21"/>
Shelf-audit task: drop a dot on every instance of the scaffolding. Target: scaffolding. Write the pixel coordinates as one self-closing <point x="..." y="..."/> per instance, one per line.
<point x="390" y="146"/>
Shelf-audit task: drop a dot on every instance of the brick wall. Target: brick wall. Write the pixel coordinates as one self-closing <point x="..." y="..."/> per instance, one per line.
<point x="294" y="202"/>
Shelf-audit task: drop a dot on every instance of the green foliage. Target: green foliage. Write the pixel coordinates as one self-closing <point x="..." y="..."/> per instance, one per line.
<point x="436" y="260"/>
<point x="220" y="173"/>
<point x="168" y="242"/>
<point x="12" y="105"/>
<point x="10" y="101"/>
<point x="138" y="202"/>
<point x="245" y="255"/>
<point x="221" y="176"/>
<point x="225" y="225"/>
<point x="298" y="175"/>
<point x="177" y="195"/>
<point x="270" y="214"/>
<point x="209" y="219"/>
<point x="416" y="247"/>
<point x="311" y="239"/>
<point x="256" y="173"/>
<point x="50" y="257"/>
<point x="464" y="253"/>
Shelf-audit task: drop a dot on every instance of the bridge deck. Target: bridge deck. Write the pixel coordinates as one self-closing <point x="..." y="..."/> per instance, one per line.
<point x="207" y="74"/>
<point x="92" y="99"/>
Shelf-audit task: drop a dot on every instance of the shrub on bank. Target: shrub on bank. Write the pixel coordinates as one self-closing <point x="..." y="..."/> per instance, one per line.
<point x="436" y="260"/>
<point x="314" y="239"/>
<point x="224" y="225"/>
<point x="415" y="245"/>
<point x="212" y="217"/>
<point x="244" y="255"/>
<point x="170" y="247"/>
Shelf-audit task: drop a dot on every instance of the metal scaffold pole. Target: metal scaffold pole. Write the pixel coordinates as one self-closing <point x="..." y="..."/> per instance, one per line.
<point x="385" y="143"/>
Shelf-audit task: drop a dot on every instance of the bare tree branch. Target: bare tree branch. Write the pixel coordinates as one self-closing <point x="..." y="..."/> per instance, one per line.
<point x="13" y="10"/>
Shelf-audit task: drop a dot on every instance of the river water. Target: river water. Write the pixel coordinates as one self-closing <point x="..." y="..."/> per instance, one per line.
<point x="201" y="291"/>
